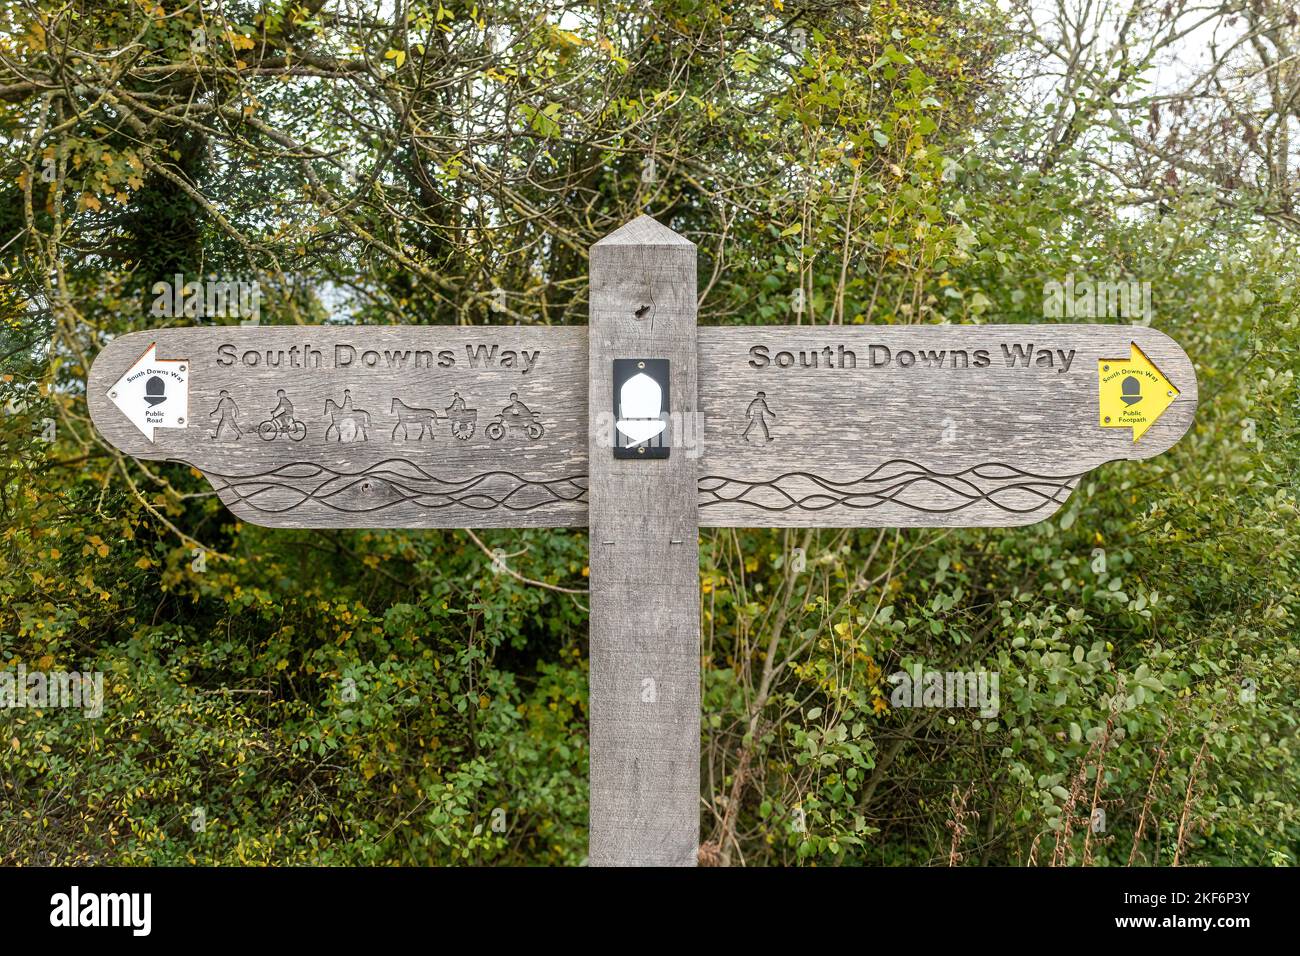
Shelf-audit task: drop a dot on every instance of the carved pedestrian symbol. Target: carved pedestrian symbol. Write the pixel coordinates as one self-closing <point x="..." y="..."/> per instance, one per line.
<point x="1039" y="407"/>
<point x="758" y="412"/>
<point x="348" y="424"/>
<point x="282" y="422"/>
<point x="229" y="412"/>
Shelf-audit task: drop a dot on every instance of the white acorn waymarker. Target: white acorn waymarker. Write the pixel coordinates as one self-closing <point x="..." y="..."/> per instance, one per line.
<point x="879" y="426"/>
<point x="640" y="402"/>
<point x="154" y="393"/>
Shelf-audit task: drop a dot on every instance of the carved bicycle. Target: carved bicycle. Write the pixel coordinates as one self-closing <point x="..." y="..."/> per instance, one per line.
<point x="273" y="428"/>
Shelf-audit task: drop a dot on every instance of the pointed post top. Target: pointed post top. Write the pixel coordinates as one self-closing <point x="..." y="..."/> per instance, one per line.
<point x="644" y="231"/>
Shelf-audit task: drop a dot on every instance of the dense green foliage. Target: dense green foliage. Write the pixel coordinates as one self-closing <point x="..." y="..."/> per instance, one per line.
<point x="382" y="697"/>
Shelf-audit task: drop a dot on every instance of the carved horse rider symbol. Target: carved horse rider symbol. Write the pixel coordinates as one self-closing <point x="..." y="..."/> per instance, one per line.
<point x="347" y="423"/>
<point x="423" y="418"/>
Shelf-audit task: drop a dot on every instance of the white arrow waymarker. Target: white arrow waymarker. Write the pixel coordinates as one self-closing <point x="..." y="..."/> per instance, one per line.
<point x="154" y="393"/>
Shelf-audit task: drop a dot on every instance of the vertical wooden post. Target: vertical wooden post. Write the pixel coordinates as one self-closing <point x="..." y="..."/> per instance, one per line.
<point x="645" y="594"/>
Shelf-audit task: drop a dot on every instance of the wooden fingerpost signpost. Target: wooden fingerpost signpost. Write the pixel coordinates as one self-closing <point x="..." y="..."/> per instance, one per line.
<point x="644" y="428"/>
<point x="644" y="539"/>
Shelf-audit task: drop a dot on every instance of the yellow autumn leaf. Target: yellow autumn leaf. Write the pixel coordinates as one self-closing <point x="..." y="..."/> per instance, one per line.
<point x="397" y="56"/>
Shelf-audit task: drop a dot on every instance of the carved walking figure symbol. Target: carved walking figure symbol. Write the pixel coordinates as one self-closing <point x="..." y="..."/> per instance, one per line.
<point x="758" y="413"/>
<point x="229" y="413"/>
<point x="516" y="416"/>
<point x="282" y="422"/>
<point x="348" y="424"/>
<point x="423" y="418"/>
<point x="463" y="420"/>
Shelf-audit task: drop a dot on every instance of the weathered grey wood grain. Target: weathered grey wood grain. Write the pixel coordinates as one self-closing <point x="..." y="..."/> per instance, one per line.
<point x="859" y="443"/>
<point x="407" y="469"/>
<point x="832" y="426"/>
<point x="936" y="441"/>
<point x="645" y="592"/>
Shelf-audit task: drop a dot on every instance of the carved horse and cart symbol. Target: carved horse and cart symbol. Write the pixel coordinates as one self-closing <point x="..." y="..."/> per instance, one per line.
<point x="461" y="420"/>
<point x="408" y="416"/>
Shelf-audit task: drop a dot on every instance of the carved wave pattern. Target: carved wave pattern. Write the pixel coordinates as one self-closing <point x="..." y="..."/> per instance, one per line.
<point x="390" y="484"/>
<point x="898" y="482"/>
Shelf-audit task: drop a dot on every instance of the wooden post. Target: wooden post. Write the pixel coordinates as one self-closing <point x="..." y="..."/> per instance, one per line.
<point x="645" y="597"/>
<point x="458" y="427"/>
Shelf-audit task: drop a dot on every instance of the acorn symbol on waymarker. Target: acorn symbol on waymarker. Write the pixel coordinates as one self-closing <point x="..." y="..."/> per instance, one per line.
<point x="155" y="391"/>
<point x="640" y="404"/>
<point x="1130" y="390"/>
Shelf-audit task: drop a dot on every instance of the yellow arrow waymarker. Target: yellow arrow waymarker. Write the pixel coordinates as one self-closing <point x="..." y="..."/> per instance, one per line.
<point x="1133" y="392"/>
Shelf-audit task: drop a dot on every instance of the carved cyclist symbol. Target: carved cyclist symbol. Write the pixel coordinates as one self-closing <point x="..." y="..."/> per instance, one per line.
<point x="282" y="422"/>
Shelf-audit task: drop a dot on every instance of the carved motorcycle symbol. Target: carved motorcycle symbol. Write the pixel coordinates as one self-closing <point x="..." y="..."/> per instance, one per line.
<point x="515" y="416"/>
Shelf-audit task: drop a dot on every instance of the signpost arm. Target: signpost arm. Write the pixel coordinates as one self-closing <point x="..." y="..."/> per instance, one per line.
<point x="645" y="598"/>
